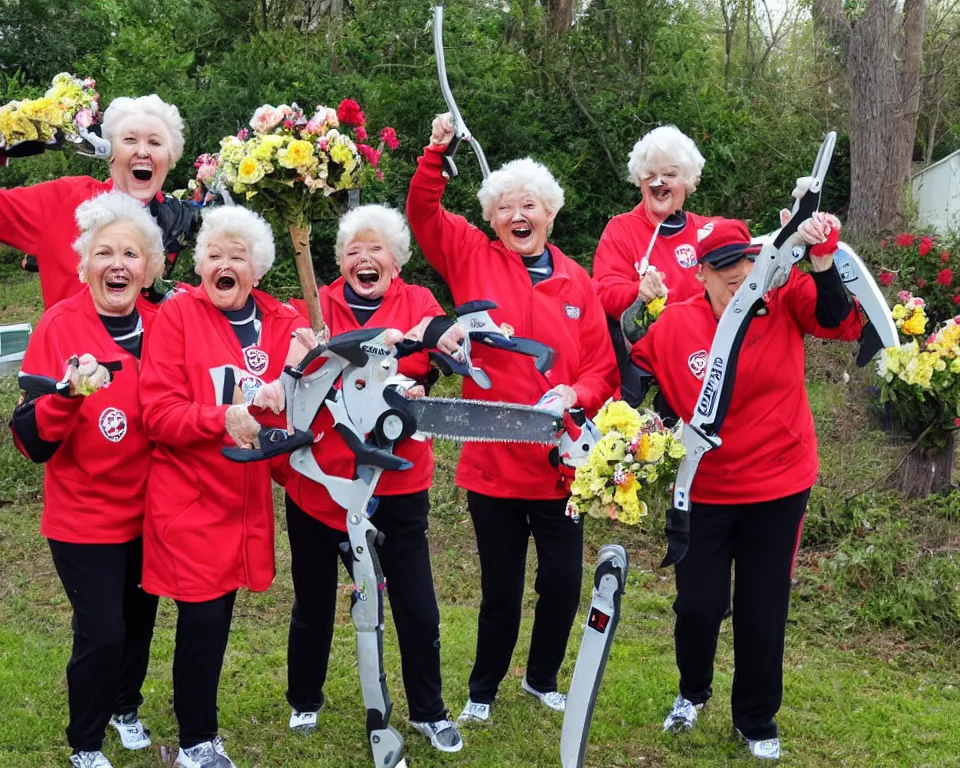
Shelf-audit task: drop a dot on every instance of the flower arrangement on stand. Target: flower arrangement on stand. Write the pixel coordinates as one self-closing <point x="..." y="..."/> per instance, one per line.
<point x="631" y="467"/>
<point x="921" y="381"/>
<point x="295" y="168"/>
<point x="925" y="266"/>
<point x="69" y="105"/>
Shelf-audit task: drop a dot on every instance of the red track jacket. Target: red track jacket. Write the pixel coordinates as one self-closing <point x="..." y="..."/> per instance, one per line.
<point x="94" y="485"/>
<point x="39" y="220"/>
<point x="623" y="245"/>
<point x="562" y="311"/>
<point x="403" y="307"/>
<point x="209" y="521"/>
<point x="769" y="445"/>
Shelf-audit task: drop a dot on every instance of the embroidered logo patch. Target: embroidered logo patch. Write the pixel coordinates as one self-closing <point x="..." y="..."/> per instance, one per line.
<point x="698" y="363"/>
<point x="113" y="424"/>
<point x="686" y="255"/>
<point x="256" y="360"/>
<point x="572" y="312"/>
<point x="705" y="230"/>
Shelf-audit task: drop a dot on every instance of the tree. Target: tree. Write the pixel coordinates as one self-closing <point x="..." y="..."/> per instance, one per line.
<point x="882" y="49"/>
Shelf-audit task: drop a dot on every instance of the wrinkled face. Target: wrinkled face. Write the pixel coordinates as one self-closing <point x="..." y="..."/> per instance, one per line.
<point x="368" y="265"/>
<point x="521" y="222"/>
<point x="226" y="272"/>
<point x="141" y="157"/>
<point x="116" y="268"/>
<point x="663" y="189"/>
<point x="722" y="284"/>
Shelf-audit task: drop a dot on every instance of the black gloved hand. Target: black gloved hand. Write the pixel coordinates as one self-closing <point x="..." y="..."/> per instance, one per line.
<point x="678" y="536"/>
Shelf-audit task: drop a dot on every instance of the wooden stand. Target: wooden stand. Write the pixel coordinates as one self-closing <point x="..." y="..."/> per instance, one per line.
<point x="925" y="472"/>
<point x="308" y="279"/>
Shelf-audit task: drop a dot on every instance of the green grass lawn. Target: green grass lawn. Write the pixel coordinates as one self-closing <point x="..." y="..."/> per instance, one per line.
<point x="854" y="695"/>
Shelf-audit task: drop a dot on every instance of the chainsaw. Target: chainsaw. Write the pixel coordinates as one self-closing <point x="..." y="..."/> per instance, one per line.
<point x="354" y="376"/>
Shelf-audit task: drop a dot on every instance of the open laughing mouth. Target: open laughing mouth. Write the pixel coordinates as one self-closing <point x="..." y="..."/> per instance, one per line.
<point x="368" y="276"/>
<point x="521" y="231"/>
<point x="225" y="282"/>
<point x="143" y="172"/>
<point x="117" y="283"/>
<point x="661" y="193"/>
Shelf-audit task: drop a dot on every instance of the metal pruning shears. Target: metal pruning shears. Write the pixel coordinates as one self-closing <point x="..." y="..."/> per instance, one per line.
<point x="460" y="130"/>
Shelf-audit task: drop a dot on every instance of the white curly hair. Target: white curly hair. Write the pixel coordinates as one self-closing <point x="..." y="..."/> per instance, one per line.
<point x="124" y="107"/>
<point x="118" y="208"/>
<point x="666" y="143"/>
<point x="244" y="224"/>
<point x="524" y="174"/>
<point x="380" y="220"/>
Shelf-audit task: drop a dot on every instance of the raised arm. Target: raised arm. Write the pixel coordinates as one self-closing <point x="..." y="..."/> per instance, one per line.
<point x="614" y="270"/>
<point x="23" y="214"/>
<point x="819" y="302"/>
<point x="445" y="238"/>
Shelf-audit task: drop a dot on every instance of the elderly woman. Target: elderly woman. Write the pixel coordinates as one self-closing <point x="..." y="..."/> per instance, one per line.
<point x="512" y="490"/>
<point x="373" y="244"/>
<point x="146" y="140"/>
<point x="651" y="250"/>
<point x="97" y="455"/>
<point x="750" y="495"/>
<point x="209" y="521"/>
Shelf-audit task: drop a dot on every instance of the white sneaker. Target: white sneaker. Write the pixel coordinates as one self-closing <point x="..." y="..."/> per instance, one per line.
<point x="89" y="760"/>
<point x="303" y="722"/>
<point x="207" y="754"/>
<point x="474" y="713"/>
<point x="683" y="716"/>
<point x="551" y="699"/>
<point x="443" y="735"/>
<point x="762" y="749"/>
<point x="133" y="734"/>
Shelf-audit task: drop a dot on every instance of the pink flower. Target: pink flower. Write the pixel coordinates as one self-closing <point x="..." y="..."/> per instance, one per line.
<point x="207" y="169"/>
<point x="956" y="422"/>
<point x="904" y="239"/>
<point x="921" y="283"/>
<point x="956" y="299"/>
<point x="883" y="243"/>
<point x="349" y="113"/>
<point x="266" y="118"/>
<point x="360" y="133"/>
<point x="243" y="134"/>
<point x="925" y="245"/>
<point x="945" y="277"/>
<point x="389" y="137"/>
<point x="288" y="124"/>
<point x="904" y="296"/>
<point x="89" y="83"/>
<point x="315" y="126"/>
<point x="369" y="154"/>
<point x="84" y="118"/>
<point x="885" y="277"/>
<point x="322" y="144"/>
<point x="379" y="175"/>
<point x="944" y="257"/>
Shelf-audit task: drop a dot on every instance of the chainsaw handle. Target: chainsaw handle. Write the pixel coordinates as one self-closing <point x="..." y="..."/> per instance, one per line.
<point x="449" y="165"/>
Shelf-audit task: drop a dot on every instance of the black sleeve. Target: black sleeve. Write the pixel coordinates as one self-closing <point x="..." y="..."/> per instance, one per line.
<point x="833" y="301"/>
<point x="26" y="434"/>
<point x="635" y="383"/>
<point x="179" y="222"/>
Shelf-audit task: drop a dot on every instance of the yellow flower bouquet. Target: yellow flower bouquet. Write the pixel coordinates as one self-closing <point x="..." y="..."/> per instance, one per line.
<point x="68" y="105"/>
<point x="921" y="377"/>
<point x="296" y="168"/>
<point x="633" y="465"/>
<point x="639" y="316"/>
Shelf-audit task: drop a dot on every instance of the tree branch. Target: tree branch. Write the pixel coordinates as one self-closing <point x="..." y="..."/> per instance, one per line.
<point x="829" y="14"/>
